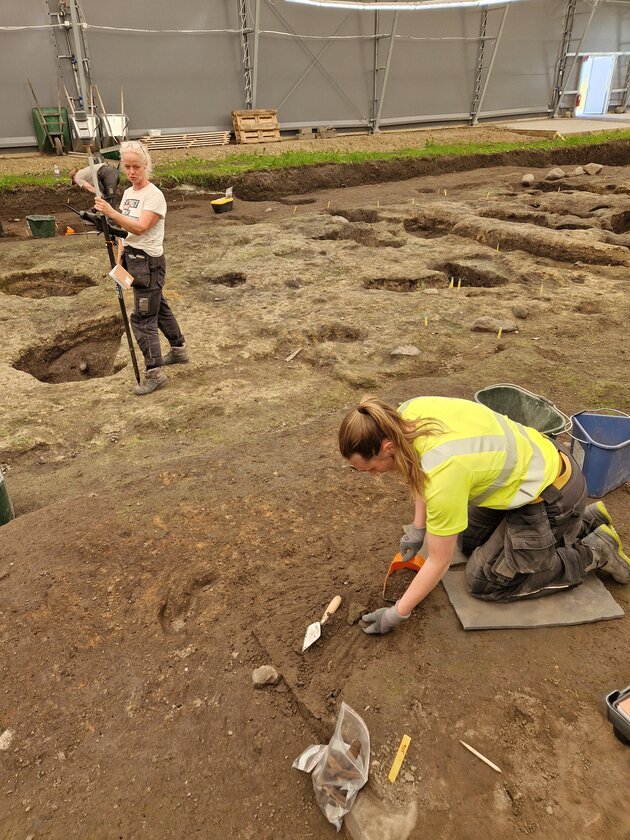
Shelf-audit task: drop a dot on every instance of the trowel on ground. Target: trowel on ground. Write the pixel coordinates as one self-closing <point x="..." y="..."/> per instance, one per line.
<point x="314" y="630"/>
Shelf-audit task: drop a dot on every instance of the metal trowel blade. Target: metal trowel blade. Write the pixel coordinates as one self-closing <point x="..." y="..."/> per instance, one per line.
<point x="313" y="632"/>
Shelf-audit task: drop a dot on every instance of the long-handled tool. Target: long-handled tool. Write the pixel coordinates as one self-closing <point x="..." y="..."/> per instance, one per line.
<point x="109" y="231"/>
<point x="314" y="630"/>
<point x="413" y="565"/>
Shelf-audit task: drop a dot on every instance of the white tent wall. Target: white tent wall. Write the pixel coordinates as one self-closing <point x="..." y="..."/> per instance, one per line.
<point x="609" y="32"/>
<point x="174" y="81"/>
<point x="336" y="89"/>
<point x="523" y="72"/>
<point x="180" y="81"/>
<point x="24" y="54"/>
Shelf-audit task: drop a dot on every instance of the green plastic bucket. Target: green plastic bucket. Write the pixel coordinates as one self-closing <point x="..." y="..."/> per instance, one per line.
<point x="42" y="226"/>
<point x="6" y="508"/>
<point x="524" y="407"/>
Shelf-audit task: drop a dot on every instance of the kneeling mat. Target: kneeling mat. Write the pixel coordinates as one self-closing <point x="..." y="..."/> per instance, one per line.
<point x="590" y="601"/>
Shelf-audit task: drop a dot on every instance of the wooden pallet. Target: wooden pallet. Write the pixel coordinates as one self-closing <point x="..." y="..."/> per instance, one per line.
<point x="187" y="141"/>
<point x="256" y="126"/>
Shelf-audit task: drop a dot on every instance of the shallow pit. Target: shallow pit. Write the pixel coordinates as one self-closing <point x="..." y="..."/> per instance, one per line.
<point x="43" y="284"/>
<point x="230" y="278"/>
<point x="343" y="333"/>
<point x="474" y="273"/>
<point x="296" y="200"/>
<point x="394" y="284"/>
<point x="362" y="236"/>
<point x="421" y="229"/>
<point x="358" y="215"/>
<point x="86" y="353"/>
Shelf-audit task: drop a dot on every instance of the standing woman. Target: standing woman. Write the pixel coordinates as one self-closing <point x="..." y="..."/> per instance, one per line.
<point x="511" y="497"/>
<point x="142" y="213"/>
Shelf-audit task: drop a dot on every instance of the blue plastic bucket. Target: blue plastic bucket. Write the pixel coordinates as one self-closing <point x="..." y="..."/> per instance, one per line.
<point x="601" y="446"/>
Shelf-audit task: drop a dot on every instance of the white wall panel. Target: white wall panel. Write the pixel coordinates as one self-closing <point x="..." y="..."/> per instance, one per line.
<point x="182" y="81"/>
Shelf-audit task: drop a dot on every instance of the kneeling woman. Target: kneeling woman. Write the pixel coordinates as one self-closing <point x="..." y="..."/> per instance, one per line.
<point x="513" y="499"/>
<point x="143" y="208"/>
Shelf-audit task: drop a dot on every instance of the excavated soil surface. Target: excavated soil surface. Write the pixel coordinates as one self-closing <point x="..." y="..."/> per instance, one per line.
<point x="166" y="546"/>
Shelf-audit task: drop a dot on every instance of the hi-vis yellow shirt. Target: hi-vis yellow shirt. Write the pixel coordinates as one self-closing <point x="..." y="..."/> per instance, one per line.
<point x="479" y="458"/>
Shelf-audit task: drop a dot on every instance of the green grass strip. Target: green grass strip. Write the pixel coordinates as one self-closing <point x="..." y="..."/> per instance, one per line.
<point x="197" y="170"/>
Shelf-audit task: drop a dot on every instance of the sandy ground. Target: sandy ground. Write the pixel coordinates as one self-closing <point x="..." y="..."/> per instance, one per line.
<point x="166" y="547"/>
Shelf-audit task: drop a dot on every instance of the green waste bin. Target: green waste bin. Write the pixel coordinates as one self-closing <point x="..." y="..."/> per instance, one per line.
<point x="42" y="226"/>
<point x="6" y="508"/>
<point x="524" y="407"/>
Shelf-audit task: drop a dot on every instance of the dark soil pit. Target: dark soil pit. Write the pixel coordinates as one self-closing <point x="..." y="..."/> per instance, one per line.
<point x="360" y="215"/>
<point x="43" y="284"/>
<point x="620" y="222"/>
<point x="88" y="353"/>
<point x="474" y="274"/>
<point x="231" y="278"/>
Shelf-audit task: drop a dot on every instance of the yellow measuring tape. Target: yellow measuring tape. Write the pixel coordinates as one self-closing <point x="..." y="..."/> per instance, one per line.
<point x="400" y="757"/>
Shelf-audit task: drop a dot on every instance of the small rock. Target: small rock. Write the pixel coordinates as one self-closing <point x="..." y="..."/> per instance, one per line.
<point x="83" y="366"/>
<point x="520" y="311"/>
<point x="549" y="810"/>
<point x="269" y="210"/>
<point x="408" y="777"/>
<point x="265" y="675"/>
<point x="340" y="220"/>
<point x="579" y="170"/>
<point x="593" y="168"/>
<point x="6" y="738"/>
<point x="555" y="174"/>
<point x="432" y="291"/>
<point x="355" y="611"/>
<point x="487" y="324"/>
<point x="405" y="350"/>
<point x="528" y="180"/>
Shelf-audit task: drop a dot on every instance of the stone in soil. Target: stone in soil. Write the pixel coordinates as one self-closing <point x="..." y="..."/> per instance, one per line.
<point x="265" y="675"/>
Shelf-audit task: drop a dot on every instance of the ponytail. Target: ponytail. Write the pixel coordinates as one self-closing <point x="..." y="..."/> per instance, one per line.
<point x="365" y="427"/>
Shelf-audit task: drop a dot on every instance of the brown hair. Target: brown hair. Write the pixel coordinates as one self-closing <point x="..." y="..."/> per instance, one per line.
<point x="365" y="427"/>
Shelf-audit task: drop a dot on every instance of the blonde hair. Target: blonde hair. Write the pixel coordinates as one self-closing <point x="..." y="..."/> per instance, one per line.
<point x="365" y="427"/>
<point x="138" y="148"/>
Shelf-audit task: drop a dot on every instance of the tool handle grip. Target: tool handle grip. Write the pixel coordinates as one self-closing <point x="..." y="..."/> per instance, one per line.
<point x="331" y="608"/>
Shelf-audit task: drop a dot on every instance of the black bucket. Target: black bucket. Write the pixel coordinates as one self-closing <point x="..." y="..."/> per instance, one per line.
<point x="524" y="407"/>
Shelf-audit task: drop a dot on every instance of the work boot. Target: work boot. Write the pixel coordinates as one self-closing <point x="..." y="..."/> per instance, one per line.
<point x="176" y="356"/>
<point x="153" y="378"/>
<point x="594" y="516"/>
<point x="608" y="553"/>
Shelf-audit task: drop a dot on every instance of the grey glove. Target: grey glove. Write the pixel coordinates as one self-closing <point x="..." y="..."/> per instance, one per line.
<point x="383" y="620"/>
<point x="411" y="543"/>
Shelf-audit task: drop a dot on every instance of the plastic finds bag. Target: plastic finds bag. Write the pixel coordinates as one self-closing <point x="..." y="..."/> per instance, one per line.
<point x="340" y="768"/>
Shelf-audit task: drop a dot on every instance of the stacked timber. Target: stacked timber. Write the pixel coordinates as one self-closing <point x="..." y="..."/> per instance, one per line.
<point x="186" y="141"/>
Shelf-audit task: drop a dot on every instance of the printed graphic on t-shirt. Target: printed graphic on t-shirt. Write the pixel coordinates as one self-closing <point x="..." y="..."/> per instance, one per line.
<point x="130" y="204"/>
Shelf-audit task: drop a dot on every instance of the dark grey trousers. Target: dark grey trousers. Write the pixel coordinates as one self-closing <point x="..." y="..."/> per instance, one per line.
<point x="151" y="311"/>
<point x="530" y="551"/>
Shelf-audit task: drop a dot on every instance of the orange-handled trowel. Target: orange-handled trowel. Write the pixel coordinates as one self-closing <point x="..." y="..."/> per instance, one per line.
<point x="314" y="630"/>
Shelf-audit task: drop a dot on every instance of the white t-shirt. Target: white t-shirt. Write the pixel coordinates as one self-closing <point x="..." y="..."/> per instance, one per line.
<point x="132" y="204"/>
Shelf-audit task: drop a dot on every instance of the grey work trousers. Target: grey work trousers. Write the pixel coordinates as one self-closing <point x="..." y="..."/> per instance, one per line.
<point x="151" y="311"/>
<point x="529" y="551"/>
